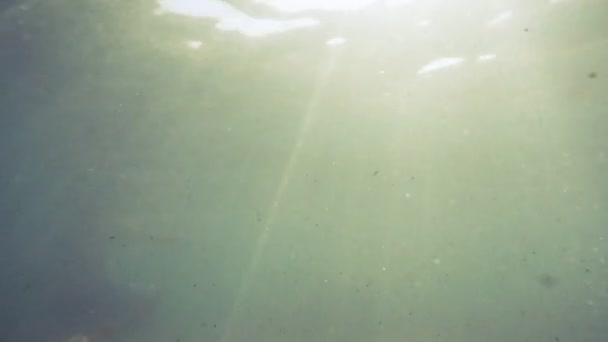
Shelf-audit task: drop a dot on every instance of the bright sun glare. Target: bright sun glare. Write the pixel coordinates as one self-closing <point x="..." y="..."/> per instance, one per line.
<point x="212" y="8"/>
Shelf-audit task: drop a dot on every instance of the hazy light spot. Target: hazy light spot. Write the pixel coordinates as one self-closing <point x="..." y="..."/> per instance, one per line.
<point x="200" y="8"/>
<point x="194" y="44"/>
<point x="486" y="58"/>
<point x="336" y="41"/>
<point x="440" y="63"/>
<point x="261" y="27"/>
<point x="230" y="18"/>
<point x="393" y="3"/>
<point x="423" y="23"/>
<point x="292" y="6"/>
<point x="500" y="18"/>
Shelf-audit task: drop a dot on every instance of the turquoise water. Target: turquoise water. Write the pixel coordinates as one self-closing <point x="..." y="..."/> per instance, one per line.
<point x="303" y="171"/>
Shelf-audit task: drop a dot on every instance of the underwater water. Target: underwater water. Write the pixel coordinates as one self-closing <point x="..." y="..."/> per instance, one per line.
<point x="390" y="170"/>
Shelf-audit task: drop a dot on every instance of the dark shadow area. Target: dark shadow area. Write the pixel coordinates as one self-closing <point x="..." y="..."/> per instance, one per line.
<point x="5" y="4"/>
<point x="53" y="214"/>
<point x="62" y="292"/>
<point x="53" y="254"/>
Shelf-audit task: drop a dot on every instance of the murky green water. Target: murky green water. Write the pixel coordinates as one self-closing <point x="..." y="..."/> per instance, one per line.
<point x="303" y="171"/>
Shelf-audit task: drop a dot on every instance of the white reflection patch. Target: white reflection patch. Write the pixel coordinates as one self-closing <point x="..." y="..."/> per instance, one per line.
<point x="194" y="44"/>
<point x="230" y="18"/>
<point x="336" y="41"/>
<point x="201" y="8"/>
<point x="423" y="23"/>
<point x="261" y="27"/>
<point x="500" y="18"/>
<point x="486" y="58"/>
<point x="292" y="6"/>
<point x="441" y="63"/>
<point x="391" y="3"/>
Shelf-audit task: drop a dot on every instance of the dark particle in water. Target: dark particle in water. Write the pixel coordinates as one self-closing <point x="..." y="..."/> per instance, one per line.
<point x="592" y="74"/>
<point x="376" y="172"/>
<point x="548" y="281"/>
